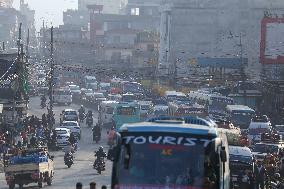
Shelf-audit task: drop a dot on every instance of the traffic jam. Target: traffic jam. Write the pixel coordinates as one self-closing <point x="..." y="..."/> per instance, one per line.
<point x="255" y="148"/>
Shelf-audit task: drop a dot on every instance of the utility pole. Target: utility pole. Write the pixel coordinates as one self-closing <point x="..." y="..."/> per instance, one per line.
<point x="243" y="74"/>
<point x="51" y="81"/>
<point x="28" y="43"/>
<point x="18" y="67"/>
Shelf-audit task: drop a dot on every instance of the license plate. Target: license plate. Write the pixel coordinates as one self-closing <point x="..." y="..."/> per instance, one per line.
<point x="234" y="179"/>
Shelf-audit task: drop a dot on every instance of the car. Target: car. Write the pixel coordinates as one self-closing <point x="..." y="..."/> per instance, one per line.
<point x="62" y="96"/>
<point x="86" y="94"/>
<point x="73" y="126"/>
<point x="63" y="135"/>
<point x="70" y="115"/>
<point x="75" y="89"/>
<point x="98" y="98"/>
<point x="280" y="130"/>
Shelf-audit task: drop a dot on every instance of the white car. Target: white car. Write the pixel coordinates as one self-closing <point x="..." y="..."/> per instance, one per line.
<point x="62" y="96"/>
<point x="63" y="135"/>
<point x="70" y="115"/>
<point x="75" y="89"/>
<point x="99" y="97"/>
<point x="73" y="126"/>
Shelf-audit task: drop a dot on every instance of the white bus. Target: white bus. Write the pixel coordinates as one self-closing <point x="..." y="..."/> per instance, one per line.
<point x="106" y="112"/>
<point x="240" y="115"/>
<point x="174" y="95"/>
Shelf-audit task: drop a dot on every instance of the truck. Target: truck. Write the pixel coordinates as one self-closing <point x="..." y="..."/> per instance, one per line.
<point x="26" y="166"/>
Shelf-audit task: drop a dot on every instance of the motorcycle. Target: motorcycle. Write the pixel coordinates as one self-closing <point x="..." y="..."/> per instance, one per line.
<point x="68" y="160"/>
<point x="96" y="138"/>
<point x="81" y="117"/>
<point x="52" y="145"/>
<point x="89" y="121"/>
<point x="99" y="165"/>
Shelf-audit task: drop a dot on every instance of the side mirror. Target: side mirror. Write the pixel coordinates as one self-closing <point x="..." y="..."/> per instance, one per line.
<point x="223" y="154"/>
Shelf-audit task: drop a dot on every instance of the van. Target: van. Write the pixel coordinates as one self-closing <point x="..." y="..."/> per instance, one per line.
<point x="258" y="125"/>
<point x="62" y="96"/>
<point x="240" y="159"/>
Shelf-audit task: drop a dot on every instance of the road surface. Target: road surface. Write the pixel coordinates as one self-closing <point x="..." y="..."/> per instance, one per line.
<point x="82" y="170"/>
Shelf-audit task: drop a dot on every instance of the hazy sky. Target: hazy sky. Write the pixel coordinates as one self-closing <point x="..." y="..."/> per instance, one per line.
<point x="50" y="10"/>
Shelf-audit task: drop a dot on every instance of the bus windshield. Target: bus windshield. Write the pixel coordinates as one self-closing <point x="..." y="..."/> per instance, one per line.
<point x="61" y="92"/>
<point x="241" y="118"/>
<point x="152" y="161"/>
<point x="126" y="111"/>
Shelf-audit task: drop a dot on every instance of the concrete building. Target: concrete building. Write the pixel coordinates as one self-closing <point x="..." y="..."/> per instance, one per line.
<point x="143" y="7"/>
<point x="192" y="29"/>
<point x="110" y="6"/>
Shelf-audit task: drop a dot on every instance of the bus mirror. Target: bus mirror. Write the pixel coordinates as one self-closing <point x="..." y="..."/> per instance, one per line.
<point x="223" y="154"/>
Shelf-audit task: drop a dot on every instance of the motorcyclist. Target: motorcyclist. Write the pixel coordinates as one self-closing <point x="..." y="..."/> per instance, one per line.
<point x="68" y="149"/>
<point x="100" y="154"/>
<point x="89" y="114"/>
<point x="72" y="139"/>
<point x="33" y="141"/>
<point x="96" y="131"/>
<point x="82" y="112"/>
<point x="89" y="117"/>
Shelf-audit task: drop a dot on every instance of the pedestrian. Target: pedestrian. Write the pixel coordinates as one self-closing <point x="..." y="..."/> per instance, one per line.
<point x="93" y="185"/>
<point x="79" y="185"/>
<point x="260" y="173"/>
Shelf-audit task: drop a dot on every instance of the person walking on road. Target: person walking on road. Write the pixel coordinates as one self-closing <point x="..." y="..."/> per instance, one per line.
<point x="260" y="173"/>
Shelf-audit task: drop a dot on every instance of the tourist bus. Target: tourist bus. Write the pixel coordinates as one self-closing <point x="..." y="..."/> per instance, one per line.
<point x="170" y="154"/>
<point x="240" y="115"/>
<point x="126" y="113"/>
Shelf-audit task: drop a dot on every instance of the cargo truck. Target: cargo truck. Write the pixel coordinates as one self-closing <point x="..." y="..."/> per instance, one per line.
<point x="28" y="166"/>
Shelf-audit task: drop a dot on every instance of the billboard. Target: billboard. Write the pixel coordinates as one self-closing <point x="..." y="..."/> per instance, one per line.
<point x="272" y="41"/>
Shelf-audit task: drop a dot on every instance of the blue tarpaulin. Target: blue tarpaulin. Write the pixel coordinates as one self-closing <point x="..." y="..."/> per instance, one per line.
<point x="233" y="63"/>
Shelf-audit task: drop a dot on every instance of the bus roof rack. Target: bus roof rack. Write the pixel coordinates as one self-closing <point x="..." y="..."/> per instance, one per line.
<point x="185" y="119"/>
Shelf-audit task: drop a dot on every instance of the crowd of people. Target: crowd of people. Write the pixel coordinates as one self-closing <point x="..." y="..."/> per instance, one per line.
<point x="27" y="132"/>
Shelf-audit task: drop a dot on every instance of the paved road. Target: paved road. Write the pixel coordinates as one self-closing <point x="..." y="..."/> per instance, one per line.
<point x="82" y="169"/>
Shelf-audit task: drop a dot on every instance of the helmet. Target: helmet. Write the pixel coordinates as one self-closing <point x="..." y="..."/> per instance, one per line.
<point x="82" y="106"/>
<point x="277" y="175"/>
<point x="101" y="148"/>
